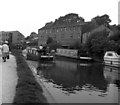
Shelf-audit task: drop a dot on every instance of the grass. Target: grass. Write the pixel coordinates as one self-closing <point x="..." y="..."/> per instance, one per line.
<point x="32" y="57"/>
<point x="27" y="90"/>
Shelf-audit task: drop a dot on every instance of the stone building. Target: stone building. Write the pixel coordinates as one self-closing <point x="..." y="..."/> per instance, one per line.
<point x="65" y="30"/>
<point x="3" y="36"/>
<point x="14" y="37"/>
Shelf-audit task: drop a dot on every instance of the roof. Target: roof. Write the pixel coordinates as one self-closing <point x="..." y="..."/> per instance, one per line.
<point x="61" y="25"/>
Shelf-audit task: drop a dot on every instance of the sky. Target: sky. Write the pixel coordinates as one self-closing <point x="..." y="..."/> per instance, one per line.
<point x="119" y="12"/>
<point x="28" y="16"/>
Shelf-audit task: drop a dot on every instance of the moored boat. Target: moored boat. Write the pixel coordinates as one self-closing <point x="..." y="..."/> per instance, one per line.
<point x="46" y="57"/>
<point x="111" y="58"/>
<point x="34" y="54"/>
<point x="86" y="58"/>
<point x="73" y="54"/>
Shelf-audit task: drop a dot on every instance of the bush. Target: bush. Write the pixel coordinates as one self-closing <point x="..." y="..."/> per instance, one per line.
<point x="54" y="45"/>
<point x="98" y="43"/>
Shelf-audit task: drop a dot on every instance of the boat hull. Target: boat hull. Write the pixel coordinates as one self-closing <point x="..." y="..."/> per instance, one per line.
<point x="46" y="58"/>
<point x="112" y="63"/>
<point x="111" y="58"/>
<point x="73" y="58"/>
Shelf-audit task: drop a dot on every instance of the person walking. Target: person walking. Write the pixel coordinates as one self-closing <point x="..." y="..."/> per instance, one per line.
<point x="5" y="51"/>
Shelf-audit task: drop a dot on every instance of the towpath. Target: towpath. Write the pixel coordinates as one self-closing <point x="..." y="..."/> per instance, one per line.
<point x="8" y="80"/>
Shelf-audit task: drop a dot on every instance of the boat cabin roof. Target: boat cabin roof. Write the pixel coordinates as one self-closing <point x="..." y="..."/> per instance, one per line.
<point x="111" y="54"/>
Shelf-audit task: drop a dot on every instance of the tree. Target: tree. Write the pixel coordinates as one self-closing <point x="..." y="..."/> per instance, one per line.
<point x="98" y="43"/>
<point x="33" y="33"/>
<point x="118" y="27"/>
<point x="27" y="37"/>
<point x="102" y="20"/>
<point x="49" y="40"/>
<point x="70" y="18"/>
<point x="76" y="45"/>
<point x="115" y="36"/>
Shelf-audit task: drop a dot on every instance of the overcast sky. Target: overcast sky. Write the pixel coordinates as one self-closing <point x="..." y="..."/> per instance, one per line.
<point x="119" y="13"/>
<point x="27" y="16"/>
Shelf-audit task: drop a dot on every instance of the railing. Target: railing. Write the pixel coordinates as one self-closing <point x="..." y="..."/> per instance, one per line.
<point x="33" y="51"/>
<point x="32" y="54"/>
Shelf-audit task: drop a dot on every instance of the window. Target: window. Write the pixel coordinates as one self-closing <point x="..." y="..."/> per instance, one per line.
<point x="53" y="30"/>
<point x="62" y="36"/>
<point x="46" y="31"/>
<point x="109" y="54"/>
<point x="71" y="36"/>
<point x="73" y="28"/>
<point x="65" y="29"/>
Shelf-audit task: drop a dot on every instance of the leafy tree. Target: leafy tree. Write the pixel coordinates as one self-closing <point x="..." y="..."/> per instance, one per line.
<point x="33" y="33"/>
<point x="115" y="36"/>
<point x="76" y="45"/>
<point x="100" y="20"/>
<point x="118" y="27"/>
<point x="49" y="40"/>
<point x="54" y="45"/>
<point x="70" y="18"/>
<point x="27" y="37"/>
<point x="98" y="43"/>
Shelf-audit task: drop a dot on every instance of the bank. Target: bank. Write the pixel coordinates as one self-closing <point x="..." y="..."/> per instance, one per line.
<point x="28" y="90"/>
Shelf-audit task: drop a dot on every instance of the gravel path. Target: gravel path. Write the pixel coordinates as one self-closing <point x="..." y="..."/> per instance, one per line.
<point x="8" y="79"/>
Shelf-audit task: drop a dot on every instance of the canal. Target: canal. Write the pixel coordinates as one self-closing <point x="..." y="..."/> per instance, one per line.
<point x="79" y="82"/>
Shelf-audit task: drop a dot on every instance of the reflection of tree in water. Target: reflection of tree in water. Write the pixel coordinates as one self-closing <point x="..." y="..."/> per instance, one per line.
<point x="93" y="75"/>
<point x="71" y="79"/>
<point x="112" y="75"/>
<point x="117" y="82"/>
<point x="45" y="66"/>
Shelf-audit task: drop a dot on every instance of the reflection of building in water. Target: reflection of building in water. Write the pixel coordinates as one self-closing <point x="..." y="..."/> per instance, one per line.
<point x="111" y="74"/>
<point x="72" y="76"/>
<point x="67" y="65"/>
<point x="45" y="65"/>
<point x="93" y="75"/>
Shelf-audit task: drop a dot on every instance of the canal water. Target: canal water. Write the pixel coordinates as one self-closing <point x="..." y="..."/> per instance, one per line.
<point x="79" y="82"/>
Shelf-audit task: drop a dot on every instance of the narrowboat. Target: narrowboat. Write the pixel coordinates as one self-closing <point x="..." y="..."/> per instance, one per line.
<point x="34" y="54"/>
<point x="85" y="57"/>
<point x="111" y="58"/>
<point x="46" y="57"/>
<point x="72" y="54"/>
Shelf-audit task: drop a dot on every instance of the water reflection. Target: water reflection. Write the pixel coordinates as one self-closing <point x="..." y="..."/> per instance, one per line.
<point x="90" y="80"/>
<point x="71" y="76"/>
<point x="112" y="75"/>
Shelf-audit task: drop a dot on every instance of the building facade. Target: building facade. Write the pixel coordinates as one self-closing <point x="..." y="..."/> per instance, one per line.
<point x="3" y="36"/>
<point x="65" y="35"/>
<point x="14" y="37"/>
<point x="66" y="30"/>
